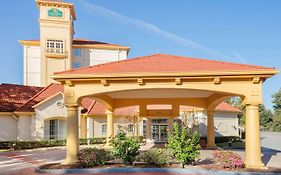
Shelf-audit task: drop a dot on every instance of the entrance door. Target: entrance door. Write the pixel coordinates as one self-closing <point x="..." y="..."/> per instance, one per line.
<point x="159" y="130"/>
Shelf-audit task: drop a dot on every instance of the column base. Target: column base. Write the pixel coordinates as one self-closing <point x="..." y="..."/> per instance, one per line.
<point x="69" y="161"/>
<point x="256" y="166"/>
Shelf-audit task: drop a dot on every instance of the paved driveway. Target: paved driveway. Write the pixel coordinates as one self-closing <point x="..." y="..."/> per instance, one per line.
<point x="271" y="148"/>
<point x="23" y="162"/>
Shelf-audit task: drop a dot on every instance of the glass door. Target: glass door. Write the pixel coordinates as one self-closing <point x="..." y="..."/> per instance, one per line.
<point x="155" y="133"/>
<point x="159" y="133"/>
<point x="163" y="133"/>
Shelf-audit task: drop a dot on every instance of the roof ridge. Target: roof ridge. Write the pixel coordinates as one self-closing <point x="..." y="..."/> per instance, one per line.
<point x="36" y="95"/>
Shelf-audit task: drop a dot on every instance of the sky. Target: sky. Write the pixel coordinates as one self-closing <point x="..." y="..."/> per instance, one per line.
<point x="235" y="31"/>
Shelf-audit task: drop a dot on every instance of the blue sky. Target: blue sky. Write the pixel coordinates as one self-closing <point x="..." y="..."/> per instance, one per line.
<point x="236" y="31"/>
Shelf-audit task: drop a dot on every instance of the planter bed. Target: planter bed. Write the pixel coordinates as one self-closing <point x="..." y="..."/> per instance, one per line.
<point x="58" y="168"/>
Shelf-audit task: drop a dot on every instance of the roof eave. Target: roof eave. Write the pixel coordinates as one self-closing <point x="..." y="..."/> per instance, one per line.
<point x="260" y="73"/>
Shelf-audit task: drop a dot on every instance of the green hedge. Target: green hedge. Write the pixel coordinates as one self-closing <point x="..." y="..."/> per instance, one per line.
<point x="18" y="145"/>
<point x="223" y="139"/>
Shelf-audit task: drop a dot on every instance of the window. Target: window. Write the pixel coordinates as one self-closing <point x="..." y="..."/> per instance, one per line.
<point x="144" y="128"/>
<point x="77" y="52"/>
<point x="76" y="64"/>
<point x="55" y="129"/>
<point x="130" y="127"/>
<point x="55" y="46"/>
<point x="103" y="129"/>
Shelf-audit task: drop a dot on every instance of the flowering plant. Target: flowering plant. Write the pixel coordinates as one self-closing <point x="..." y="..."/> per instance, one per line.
<point x="228" y="160"/>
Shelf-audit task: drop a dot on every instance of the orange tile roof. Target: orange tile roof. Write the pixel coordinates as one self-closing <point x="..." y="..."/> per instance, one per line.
<point x="13" y="96"/>
<point x="45" y="93"/>
<point x="227" y="107"/>
<point x="221" y="107"/>
<point x="165" y="64"/>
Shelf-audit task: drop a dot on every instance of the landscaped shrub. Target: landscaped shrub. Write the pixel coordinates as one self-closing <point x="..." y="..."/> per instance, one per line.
<point x="90" y="157"/>
<point x="91" y="141"/>
<point x="156" y="157"/>
<point x="185" y="145"/>
<point x="18" y="145"/>
<point x="228" y="160"/>
<point x="124" y="147"/>
<point x="139" y="139"/>
<point x="223" y="139"/>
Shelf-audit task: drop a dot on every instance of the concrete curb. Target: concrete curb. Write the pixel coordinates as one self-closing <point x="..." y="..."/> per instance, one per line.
<point x="145" y="170"/>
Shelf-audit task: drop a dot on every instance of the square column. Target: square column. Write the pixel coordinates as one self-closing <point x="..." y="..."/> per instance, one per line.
<point x="137" y="126"/>
<point x="253" y="146"/>
<point x="210" y="130"/>
<point x="110" y="126"/>
<point x="170" y="124"/>
<point x="83" y="126"/>
<point x="72" y="140"/>
<point x="148" y="129"/>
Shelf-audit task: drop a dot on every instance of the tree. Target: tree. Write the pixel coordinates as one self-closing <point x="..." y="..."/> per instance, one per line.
<point x="184" y="145"/>
<point x="234" y="101"/>
<point x="124" y="147"/>
<point x="265" y="116"/>
<point x="237" y="102"/>
<point x="277" y="105"/>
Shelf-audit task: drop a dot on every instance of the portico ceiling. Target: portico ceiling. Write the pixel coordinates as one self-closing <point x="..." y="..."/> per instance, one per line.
<point x="160" y="93"/>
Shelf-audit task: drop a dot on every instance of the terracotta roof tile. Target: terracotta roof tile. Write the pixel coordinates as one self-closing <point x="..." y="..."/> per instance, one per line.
<point x="13" y="96"/>
<point x="221" y="107"/>
<point x="165" y="64"/>
<point x="45" y="93"/>
<point x="227" y="107"/>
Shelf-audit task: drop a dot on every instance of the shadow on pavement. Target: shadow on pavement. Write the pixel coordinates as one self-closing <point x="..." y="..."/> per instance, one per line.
<point x="267" y="154"/>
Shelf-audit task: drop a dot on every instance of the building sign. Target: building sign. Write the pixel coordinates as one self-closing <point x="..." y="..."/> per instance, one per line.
<point x="55" y="12"/>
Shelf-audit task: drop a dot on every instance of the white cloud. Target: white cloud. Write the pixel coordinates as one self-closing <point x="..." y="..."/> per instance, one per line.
<point x="239" y="57"/>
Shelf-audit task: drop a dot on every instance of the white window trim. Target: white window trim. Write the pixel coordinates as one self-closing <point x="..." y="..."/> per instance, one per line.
<point x="103" y="132"/>
<point x="55" y="46"/>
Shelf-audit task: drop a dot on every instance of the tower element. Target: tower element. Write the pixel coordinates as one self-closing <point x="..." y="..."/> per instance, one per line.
<point x="56" y="37"/>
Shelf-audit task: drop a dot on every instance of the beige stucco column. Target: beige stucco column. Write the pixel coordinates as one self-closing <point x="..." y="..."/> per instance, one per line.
<point x="72" y="140"/>
<point x="110" y="125"/>
<point x="83" y="126"/>
<point x="137" y="126"/>
<point x="148" y="128"/>
<point x="170" y="124"/>
<point x="253" y="146"/>
<point x="210" y="130"/>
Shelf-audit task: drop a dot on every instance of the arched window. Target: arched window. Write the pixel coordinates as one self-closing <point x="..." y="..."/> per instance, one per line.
<point x="55" y="129"/>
